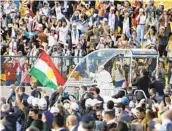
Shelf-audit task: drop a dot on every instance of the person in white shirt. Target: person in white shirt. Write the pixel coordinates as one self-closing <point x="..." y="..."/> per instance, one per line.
<point x="126" y="22"/>
<point x="118" y="75"/>
<point x="78" y="53"/>
<point x="30" y="21"/>
<point x="63" y="31"/>
<point x="21" y="61"/>
<point x="58" y="12"/>
<point x="46" y="9"/>
<point x="141" y="21"/>
<point x="104" y="80"/>
<point x="52" y="37"/>
<point x="101" y="44"/>
<point x="75" y="34"/>
<point x="111" y="20"/>
<point x="12" y="47"/>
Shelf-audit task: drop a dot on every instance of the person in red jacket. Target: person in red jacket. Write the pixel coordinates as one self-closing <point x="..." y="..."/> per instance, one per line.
<point x="10" y="71"/>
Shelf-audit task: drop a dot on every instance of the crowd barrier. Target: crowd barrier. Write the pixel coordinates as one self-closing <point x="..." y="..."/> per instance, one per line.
<point x="66" y="64"/>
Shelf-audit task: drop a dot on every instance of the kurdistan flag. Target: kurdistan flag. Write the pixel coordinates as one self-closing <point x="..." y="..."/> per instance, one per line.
<point x="46" y="73"/>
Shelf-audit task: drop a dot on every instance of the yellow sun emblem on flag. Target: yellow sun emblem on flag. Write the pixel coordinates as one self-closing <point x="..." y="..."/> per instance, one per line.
<point x="50" y="74"/>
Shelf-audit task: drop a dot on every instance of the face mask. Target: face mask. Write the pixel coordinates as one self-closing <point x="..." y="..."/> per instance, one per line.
<point x="78" y="47"/>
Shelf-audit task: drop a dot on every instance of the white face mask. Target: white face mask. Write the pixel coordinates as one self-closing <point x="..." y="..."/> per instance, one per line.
<point x="78" y="47"/>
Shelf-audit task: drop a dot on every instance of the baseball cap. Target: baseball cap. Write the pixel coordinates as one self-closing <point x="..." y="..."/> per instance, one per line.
<point x="88" y="102"/>
<point x="42" y="103"/>
<point x="29" y="100"/>
<point x="74" y="106"/>
<point x="95" y="101"/>
<point x="125" y="100"/>
<point x="35" y="102"/>
<point x="87" y="118"/>
<point x="54" y="110"/>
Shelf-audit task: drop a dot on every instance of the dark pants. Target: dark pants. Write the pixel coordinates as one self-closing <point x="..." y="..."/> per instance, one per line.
<point x="9" y="82"/>
<point x="162" y="50"/>
<point x="25" y="84"/>
<point x="18" y="79"/>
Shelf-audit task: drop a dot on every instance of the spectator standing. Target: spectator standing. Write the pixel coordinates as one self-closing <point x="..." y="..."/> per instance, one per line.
<point x="10" y="71"/>
<point x="163" y="41"/>
<point x="25" y="77"/>
<point x="112" y="18"/>
<point x="141" y="21"/>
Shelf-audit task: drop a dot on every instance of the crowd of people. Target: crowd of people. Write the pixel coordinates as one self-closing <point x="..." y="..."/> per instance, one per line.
<point x="69" y="30"/>
<point x="62" y="111"/>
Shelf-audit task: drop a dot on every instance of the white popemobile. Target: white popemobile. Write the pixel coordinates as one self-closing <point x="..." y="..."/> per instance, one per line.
<point x="93" y="69"/>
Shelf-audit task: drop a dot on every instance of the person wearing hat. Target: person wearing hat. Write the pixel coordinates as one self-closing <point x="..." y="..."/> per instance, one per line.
<point x="113" y="20"/>
<point x="103" y="78"/>
<point x="87" y="123"/>
<point x="10" y="68"/>
<point x="74" y="107"/>
<point x="54" y="111"/>
<point x="101" y="44"/>
<point x="75" y="34"/>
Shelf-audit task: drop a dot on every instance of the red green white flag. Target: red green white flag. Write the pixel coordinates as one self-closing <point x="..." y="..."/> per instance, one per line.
<point x="46" y="73"/>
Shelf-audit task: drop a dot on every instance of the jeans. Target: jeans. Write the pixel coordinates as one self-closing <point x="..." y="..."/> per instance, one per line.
<point x="140" y="32"/>
<point x="25" y="84"/>
<point x="18" y="79"/>
<point x="119" y="83"/>
<point x="9" y="82"/>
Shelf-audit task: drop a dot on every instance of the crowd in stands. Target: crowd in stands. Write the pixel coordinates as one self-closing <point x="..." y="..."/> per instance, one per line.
<point x="73" y="28"/>
<point x="77" y="28"/>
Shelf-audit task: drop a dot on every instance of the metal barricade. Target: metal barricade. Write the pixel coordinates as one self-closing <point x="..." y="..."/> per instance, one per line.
<point x="112" y="91"/>
<point x="142" y="93"/>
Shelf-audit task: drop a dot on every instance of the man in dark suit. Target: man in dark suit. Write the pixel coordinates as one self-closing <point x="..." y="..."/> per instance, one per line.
<point x="72" y="123"/>
<point x="143" y="82"/>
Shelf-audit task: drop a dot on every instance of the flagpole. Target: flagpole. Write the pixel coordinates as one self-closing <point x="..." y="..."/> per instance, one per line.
<point x="31" y="68"/>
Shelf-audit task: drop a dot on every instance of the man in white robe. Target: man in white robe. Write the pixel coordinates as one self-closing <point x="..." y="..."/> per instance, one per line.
<point x="104" y="81"/>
